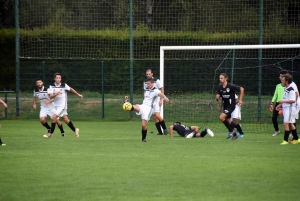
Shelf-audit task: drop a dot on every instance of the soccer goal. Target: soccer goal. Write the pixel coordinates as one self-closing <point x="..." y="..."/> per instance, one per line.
<point x="190" y="76"/>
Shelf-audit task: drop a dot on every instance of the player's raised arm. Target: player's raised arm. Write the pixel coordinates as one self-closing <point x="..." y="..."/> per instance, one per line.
<point x="75" y="92"/>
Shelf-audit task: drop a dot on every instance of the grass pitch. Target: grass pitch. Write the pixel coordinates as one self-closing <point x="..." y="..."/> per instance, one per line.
<point x="109" y="162"/>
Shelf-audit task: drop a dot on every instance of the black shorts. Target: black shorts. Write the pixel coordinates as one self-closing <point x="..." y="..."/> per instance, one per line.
<point x="228" y="110"/>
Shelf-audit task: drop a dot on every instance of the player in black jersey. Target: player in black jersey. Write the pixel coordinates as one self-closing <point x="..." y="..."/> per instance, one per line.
<point x="227" y="92"/>
<point x="189" y="131"/>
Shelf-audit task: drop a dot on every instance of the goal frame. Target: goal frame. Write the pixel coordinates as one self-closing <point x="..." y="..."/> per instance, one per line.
<point x="221" y="47"/>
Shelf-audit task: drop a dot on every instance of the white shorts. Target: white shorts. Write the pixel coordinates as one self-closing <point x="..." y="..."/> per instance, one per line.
<point x="156" y="108"/>
<point x="236" y="114"/>
<point x="289" y="115"/>
<point x="145" y="112"/>
<point x="44" y="112"/>
<point x="61" y="111"/>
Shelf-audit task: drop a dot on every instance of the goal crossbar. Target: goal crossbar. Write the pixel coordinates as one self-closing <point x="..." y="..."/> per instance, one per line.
<point x="221" y="47"/>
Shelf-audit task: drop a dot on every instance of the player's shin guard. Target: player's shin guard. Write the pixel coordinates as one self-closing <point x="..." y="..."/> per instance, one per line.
<point x="70" y="124"/>
<point x="228" y="126"/>
<point x="239" y="128"/>
<point x="203" y="133"/>
<point x="61" y="128"/>
<point x="295" y="135"/>
<point x="46" y="125"/>
<point x="52" y="127"/>
<point x="158" y="128"/>
<point x="286" y="135"/>
<point x="144" y="134"/>
<point x="163" y="125"/>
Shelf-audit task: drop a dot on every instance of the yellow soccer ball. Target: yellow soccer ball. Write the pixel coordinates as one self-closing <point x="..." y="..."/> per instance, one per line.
<point x="127" y="106"/>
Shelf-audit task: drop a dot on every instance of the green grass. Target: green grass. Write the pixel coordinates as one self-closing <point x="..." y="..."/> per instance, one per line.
<point x="109" y="162"/>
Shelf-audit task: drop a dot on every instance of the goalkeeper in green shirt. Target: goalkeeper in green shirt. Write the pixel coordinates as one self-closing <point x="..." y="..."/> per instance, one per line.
<point x="276" y="98"/>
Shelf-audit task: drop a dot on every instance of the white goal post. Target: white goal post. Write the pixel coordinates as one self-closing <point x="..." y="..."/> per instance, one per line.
<point x="228" y="47"/>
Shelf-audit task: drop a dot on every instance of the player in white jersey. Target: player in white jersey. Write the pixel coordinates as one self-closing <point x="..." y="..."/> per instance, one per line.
<point x="146" y="109"/>
<point x="58" y="91"/>
<point x="157" y="106"/>
<point x="5" y="105"/>
<point x="47" y="106"/>
<point x="293" y="84"/>
<point x="288" y="105"/>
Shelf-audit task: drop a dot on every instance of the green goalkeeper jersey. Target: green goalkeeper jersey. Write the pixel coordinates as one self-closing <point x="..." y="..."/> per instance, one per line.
<point x="278" y="94"/>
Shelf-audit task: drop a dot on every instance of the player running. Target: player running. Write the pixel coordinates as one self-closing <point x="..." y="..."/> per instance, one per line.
<point x="58" y="91"/>
<point x="227" y="92"/>
<point x="47" y="106"/>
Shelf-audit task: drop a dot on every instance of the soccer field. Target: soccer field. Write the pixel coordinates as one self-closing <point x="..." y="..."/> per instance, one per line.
<point x="109" y="162"/>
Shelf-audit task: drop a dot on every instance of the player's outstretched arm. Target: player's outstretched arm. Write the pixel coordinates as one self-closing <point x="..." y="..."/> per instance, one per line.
<point x="3" y="103"/>
<point x="75" y="92"/>
<point x="163" y="96"/>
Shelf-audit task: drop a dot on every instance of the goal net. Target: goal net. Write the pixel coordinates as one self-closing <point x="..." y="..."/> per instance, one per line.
<point x="190" y="75"/>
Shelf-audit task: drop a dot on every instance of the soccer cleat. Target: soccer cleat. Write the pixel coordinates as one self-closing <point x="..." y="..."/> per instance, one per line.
<point x="48" y="135"/>
<point x="3" y="145"/>
<point x="241" y="135"/>
<point x="63" y="134"/>
<point x="284" y="142"/>
<point x="77" y="132"/>
<point x="235" y="136"/>
<point x="230" y="134"/>
<point x="166" y="132"/>
<point x="144" y="140"/>
<point x="296" y="141"/>
<point x="209" y="132"/>
<point x="275" y="133"/>
<point x="126" y="99"/>
<point x="190" y="135"/>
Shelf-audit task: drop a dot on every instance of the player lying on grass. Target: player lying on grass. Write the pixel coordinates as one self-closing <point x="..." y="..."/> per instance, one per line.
<point x="189" y="131"/>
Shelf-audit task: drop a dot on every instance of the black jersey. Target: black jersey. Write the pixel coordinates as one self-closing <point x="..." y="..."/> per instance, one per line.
<point x="228" y="94"/>
<point x="181" y="129"/>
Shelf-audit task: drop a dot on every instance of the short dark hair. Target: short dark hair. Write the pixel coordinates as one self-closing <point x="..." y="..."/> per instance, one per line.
<point x="55" y="74"/>
<point x="150" y="79"/>
<point x="288" y="78"/>
<point x="38" y="79"/>
<point x="283" y="72"/>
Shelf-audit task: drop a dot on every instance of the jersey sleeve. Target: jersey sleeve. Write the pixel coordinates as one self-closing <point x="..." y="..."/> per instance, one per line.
<point x="144" y="85"/>
<point x="158" y="84"/>
<point x="34" y="95"/>
<point x="67" y="87"/>
<point x="235" y="87"/>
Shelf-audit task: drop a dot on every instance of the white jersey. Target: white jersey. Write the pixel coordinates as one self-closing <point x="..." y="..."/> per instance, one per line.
<point x="151" y="96"/>
<point x="43" y="95"/>
<point x="157" y="84"/>
<point x="62" y="99"/>
<point x="293" y="84"/>
<point x="289" y="94"/>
